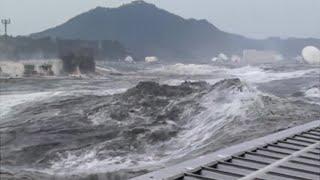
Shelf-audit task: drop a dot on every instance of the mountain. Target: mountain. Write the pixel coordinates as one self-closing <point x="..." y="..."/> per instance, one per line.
<point x="149" y="31"/>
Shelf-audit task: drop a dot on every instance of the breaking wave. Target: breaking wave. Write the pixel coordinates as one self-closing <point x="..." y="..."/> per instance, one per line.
<point x="10" y="102"/>
<point x="313" y="92"/>
<point x="145" y="127"/>
<point x="7" y="102"/>
<point x="259" y="75"/>
<point x="250" y="74"/>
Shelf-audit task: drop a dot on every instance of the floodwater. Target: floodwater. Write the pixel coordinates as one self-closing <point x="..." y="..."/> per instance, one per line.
<point x="138" y="118"/>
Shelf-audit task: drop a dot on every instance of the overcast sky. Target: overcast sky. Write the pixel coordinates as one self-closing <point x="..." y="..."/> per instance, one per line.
<point x="252" y="18"/>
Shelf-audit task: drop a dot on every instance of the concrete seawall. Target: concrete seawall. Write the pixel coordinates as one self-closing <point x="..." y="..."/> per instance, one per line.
<point x="289" y="154"/>
<point x="18" y="68"/>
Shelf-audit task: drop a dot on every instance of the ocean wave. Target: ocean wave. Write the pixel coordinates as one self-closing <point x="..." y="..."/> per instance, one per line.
<point x="259" y="75"/>
<point x="250" y="74"/>
<point x="184" y="69"/>
<point x="147" y="126"/>
<point x="7" y="102"/>
<point x="313" y="92"/>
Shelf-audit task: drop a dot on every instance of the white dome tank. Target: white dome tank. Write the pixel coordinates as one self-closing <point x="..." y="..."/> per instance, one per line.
<point x="311" y="55"/>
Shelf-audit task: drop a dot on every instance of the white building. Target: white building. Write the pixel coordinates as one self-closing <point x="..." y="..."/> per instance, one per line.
<point x="151" y="59"/>
<point x="129" y="59"/>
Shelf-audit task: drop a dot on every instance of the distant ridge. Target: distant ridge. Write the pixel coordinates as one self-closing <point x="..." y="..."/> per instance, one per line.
<point x="147" y="30"/>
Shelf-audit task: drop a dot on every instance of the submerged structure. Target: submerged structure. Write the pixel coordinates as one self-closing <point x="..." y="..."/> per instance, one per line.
<point x="78" y="60"/>
<point x="50" y="67"/>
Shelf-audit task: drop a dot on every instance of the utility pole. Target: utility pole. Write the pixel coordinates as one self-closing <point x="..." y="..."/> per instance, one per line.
<point x="5" y="22"/>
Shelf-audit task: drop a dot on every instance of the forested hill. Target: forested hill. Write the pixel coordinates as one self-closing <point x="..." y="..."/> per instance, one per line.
<point x="148" y="30"/>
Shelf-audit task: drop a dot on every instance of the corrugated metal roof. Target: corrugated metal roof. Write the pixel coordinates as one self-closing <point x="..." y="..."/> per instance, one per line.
<point x="291" y="154"/>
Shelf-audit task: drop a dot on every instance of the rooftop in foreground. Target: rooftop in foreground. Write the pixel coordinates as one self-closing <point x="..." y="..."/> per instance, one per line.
<point x="290" y="154"/>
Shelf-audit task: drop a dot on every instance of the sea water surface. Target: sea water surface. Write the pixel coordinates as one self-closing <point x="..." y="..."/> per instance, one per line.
<point x="139" y="118"/>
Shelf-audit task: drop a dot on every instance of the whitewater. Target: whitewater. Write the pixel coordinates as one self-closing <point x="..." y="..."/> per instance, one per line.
<point x="138" y="118"/>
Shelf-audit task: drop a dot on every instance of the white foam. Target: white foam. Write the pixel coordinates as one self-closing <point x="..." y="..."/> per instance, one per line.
<point x="7" y="102"/>
<point x="96" y="92"/>
<point x="176" y="82"/>
<point x="313" y="93"/>
<point x="251" y="74"/>
<point x="184" y="69"/>
<point x="106" y="70"/>
<point x="88" y="163"/>
<point x="222" y="107"/>
<point x="257" y="75"/>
